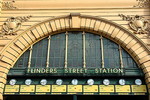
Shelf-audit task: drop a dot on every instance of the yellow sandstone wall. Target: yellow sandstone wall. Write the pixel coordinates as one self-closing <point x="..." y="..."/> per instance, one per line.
<point x="44" y="9"/>
<point x="40" y="10"/>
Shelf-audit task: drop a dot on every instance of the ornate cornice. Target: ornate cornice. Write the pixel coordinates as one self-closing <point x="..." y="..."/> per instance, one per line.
<point x="137" y="23"/>
<point x="142" y="4"/>
<point x="12" y="25"/>
<point x="8" y="5"/>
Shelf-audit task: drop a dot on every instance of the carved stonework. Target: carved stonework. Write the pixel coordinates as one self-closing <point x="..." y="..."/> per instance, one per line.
<point x="12" y="25"/>
<point x="8" y="5"/>
<point x="137" y="23"/>
<point x="142" y="4"/>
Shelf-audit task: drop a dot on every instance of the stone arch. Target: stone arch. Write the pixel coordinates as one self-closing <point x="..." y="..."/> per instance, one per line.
<point x="74" y="22"/>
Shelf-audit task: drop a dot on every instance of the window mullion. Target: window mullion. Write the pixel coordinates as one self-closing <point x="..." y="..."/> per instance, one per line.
<point x="102" y="51"/>
<point x="66" y="50"/>
<point x="120" y="53"/>
<point x="84" y="61"/>
<point x="48" y="51"/>
<point x="30" y="55"/>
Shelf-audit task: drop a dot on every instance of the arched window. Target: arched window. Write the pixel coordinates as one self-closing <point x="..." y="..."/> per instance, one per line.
<point x="77" y="50"/>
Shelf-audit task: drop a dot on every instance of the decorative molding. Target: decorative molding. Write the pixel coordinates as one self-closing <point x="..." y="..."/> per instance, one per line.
<point x="148" y="35"/>
<point x="137" y="23"/>
<point x="19" y="44"/>
<point x="142" y="4"/>
<point x="8" y="5"/>
<point x="12" y="25"/>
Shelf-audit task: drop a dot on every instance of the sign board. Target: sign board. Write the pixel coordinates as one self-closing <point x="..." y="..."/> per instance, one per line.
<point x="90" y="88"/>
<point x="74" y="88"/>
<point x="12" y="88"/>
<point x="43" y="88"/>
<point x="74" y="70"/>
<point x="58" y="88"/>
<point x="124" y="88"/>
<point x="26" y="88"/>
<point x="138" y="88"/>
<point x="106" y="88"/>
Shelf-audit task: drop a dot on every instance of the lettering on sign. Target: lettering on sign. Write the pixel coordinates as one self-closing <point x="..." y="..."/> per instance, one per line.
<point x="124" y="88"/>
<point x="75" y="70"/>
<point x="90" y="88"/>
<point x="41" y="88"/>
<point x="26" y="88"/>
<point x="74" y="88"/>
<point x="12" y="88"/>
<point x="139" y="88"/>
<point x="58" y="88"/>
<point x="106" y="88"/>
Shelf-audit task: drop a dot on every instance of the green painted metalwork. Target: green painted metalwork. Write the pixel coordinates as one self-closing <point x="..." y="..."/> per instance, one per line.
<point x="81" y="80"/>
<point x="98" y="82"/>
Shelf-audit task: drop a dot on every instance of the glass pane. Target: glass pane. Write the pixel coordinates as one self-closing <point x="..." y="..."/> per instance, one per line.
<point x="75" y="49"/>
<point x="39" y="54"/>
<point x="111" y="54"/>
<point x="93" y="51"/>
<point x="128" y="62"/>
<point x="23" y="60"/>
<point x="75" y="52"/>
<point x="57" y="50"/>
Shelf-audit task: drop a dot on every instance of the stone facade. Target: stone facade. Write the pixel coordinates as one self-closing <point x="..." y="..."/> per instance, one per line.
<point x="25" y="22"/>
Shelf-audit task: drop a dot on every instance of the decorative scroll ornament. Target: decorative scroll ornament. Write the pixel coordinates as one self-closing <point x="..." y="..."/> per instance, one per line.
<point x="12" y="25"/>
<point x="137" y="23"/>
<point x="8" y="5"/>
<point x="142" y="4"/>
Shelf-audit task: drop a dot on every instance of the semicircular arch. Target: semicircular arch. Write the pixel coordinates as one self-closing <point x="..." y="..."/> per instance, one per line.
<point x="75" y="22"/>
